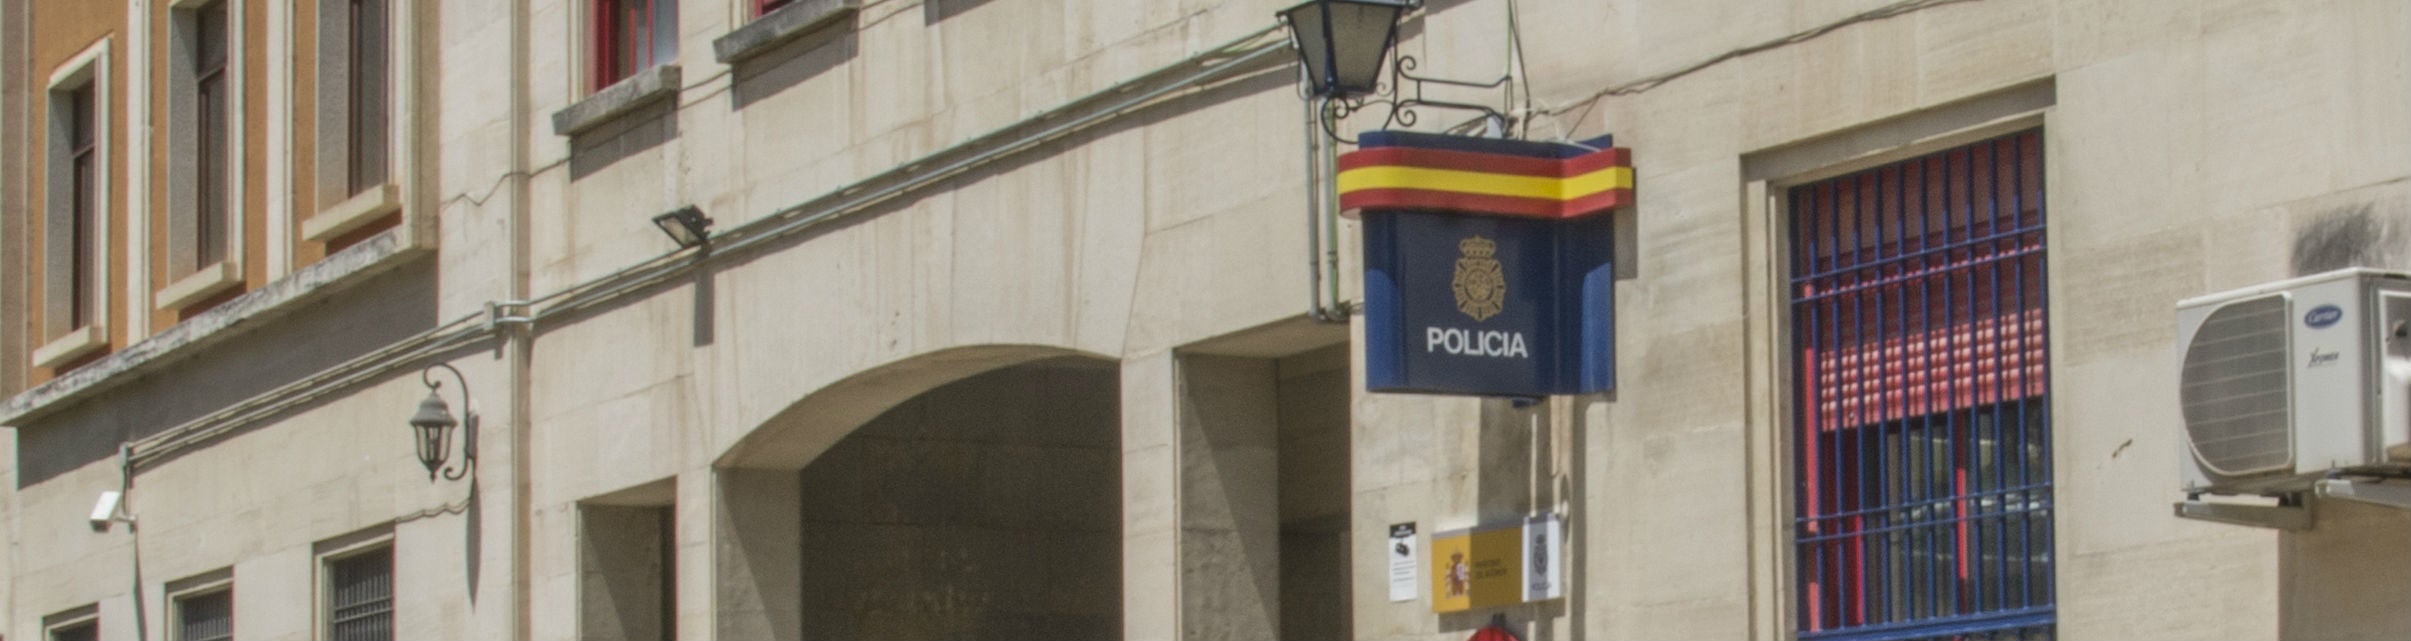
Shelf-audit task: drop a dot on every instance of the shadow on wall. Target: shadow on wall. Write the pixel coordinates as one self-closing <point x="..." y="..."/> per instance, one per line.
<point x="792" y="63"/>
<point x="933" y="11"/>
<point x="626" y="135"/>
<point x="265" y="354"/>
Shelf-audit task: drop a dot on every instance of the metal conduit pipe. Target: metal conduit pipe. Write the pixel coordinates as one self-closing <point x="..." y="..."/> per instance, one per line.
<point x="471" y="328"/>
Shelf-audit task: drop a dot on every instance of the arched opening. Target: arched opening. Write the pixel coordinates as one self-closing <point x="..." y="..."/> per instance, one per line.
<point x="985" y="508"/>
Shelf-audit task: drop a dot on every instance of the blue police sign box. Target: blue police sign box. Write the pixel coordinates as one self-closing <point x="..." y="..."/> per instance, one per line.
<point x="1481" y="304"/>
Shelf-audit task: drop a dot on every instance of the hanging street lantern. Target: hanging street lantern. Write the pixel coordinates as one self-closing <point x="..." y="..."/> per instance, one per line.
<point x="1342" y="43"/>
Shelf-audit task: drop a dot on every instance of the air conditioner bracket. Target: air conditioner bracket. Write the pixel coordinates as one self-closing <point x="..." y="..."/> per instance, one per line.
<point x="2289" y="515"/>
<point x="2394" y="495"/>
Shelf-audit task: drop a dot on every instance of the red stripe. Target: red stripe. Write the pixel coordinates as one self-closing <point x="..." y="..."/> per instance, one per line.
<point x="1486" y="163"/>
<point x="1363" y="199"/>
<point x="1597" y="160"/>
<point x="1401" y="198"/>
<point x="1595" y="203"/>
<point x="1456" y="160"/>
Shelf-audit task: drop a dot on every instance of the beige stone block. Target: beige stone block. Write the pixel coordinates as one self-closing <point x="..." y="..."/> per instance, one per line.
<point x="2092" y="31"/>
<point x="2268" y="79"/>
<point x="2127" y="150"/>
<point x="2220" y="587"/>
<point x="2116" y="301"/>
<point x="2375" y="132"/>
<point x="2131" y="439"/>
<point x="1967" y="49"/>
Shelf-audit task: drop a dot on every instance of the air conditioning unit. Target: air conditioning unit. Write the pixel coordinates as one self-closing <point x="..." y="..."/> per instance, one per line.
<point x="2294" y="381"/>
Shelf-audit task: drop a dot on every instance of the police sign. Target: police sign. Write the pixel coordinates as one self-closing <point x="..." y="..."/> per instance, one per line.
<point x="1487" y="263"/>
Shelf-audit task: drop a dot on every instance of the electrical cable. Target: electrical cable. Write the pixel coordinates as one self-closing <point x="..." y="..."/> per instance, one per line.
<point x="1895" y="9"/>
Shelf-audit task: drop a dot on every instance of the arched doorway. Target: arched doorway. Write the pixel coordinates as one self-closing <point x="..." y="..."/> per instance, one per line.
<point x="986" y="508"/>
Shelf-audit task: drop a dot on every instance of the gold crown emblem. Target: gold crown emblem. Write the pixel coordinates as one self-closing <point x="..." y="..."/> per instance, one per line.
<point x="1477" y="247"/>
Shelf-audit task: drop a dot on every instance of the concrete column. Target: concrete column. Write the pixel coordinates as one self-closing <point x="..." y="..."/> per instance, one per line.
<point x="1201" y="503"/>
<point x="757" y="555"/>
<point x="2328" y="586"/>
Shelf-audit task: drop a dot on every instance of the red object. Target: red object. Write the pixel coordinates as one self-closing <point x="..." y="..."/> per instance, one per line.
<point x="1496" y="631"/>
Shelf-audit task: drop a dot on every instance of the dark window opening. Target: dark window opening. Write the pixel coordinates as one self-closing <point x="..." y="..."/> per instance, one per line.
<point x="365" y="103"/>
<point x="83" y="206"/>
<point x="210" y="154"/>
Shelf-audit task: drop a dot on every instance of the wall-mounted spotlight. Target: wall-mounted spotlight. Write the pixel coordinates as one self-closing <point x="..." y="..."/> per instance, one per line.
<point x="687" y="226"/>
<point x="111" y="508"/>
<point x="1343" y="43"/>
<point x="433" y="424"/>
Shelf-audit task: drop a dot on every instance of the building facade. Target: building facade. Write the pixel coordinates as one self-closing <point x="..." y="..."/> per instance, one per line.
<point x="1019" y="318"/>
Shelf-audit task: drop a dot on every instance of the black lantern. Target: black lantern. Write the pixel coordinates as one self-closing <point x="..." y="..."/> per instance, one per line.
<point x="1342" y="42"/>
<point x="687" y="226"/>
<point x="433" y="424"/>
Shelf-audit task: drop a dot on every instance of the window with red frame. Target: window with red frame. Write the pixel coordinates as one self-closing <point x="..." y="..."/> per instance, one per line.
<point x="764" y="7"/>
<point x="1923" y="443"/>
<point x="631" y="36"/>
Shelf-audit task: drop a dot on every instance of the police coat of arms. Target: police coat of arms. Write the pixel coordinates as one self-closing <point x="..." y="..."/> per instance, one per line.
<point x="1480" y="285"/>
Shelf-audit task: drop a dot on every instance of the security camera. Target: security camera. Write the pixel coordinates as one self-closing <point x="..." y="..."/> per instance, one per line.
<point x="109" y="509"/>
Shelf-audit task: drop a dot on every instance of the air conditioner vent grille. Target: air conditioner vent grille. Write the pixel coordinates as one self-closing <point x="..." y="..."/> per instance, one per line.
<point x="2238" y="403"/>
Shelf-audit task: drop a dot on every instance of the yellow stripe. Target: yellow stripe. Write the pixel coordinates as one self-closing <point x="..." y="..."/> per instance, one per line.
<point x="1487" y="184"/>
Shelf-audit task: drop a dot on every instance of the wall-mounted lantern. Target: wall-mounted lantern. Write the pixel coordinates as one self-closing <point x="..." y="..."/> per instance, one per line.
<point x="1342" y="43"/>
<point x="433" y="424"/>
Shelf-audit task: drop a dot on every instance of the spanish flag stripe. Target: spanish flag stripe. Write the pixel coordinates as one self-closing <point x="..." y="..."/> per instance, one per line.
<point x="1484" y="183"/>
<point x="1451" y="201"/>
<point x="1447" y="159"/>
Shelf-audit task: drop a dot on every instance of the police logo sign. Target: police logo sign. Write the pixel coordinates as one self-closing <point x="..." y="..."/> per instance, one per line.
<point x="1480" y="286"/>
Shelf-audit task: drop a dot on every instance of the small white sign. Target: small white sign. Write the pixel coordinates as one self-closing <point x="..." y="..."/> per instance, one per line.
<point x="1544" y="541"/>
<point x="1403" y="563"/>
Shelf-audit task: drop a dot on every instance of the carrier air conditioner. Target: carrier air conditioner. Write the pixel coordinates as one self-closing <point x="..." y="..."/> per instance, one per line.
<point x="2287" y="383"/>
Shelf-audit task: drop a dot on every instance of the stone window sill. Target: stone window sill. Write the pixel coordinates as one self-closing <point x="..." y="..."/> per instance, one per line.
<point x="784" y="24"/>
<point x="341" y="269"/>
<point x="78" y="342"/>
<point x="656" y="83"/>
<point x="350" y="214"/>
<point x="202" y="284"/>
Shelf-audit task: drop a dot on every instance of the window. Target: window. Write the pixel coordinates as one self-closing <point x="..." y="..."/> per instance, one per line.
<point x="1924" y="503"/>
<point x="762" y="7"/>
<point x="205" y="617"/>
<point x="359" y="592"/>
<point x="81" y="217"/>
<point x="354" y="130"/>
<point x="75" y="211"/>
<point x="203" y="156"/>
<point x="86" y="630"/>
<point x="632" y="35"/>
<point x="364" y="66"/>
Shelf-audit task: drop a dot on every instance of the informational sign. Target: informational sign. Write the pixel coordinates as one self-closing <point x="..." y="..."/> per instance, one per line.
<point x="1495" y="565"/>
<point x="1487" y="262"/>
<point x="1402" y="562"/>
<point x="1544" y="567"/>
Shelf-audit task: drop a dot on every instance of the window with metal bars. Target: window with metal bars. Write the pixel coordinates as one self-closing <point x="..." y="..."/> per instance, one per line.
<point x="205" y="617"/>
<point x="360" y="596"/>
<point x="1923" y="442"/>
<point x="631" y="36"/>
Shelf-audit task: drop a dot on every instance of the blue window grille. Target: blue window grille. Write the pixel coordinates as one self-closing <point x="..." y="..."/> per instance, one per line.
<point x="1923" y="443"/>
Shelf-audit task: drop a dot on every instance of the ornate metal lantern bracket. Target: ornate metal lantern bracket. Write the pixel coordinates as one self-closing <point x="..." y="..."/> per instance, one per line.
<point x="1402" y="95"/>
